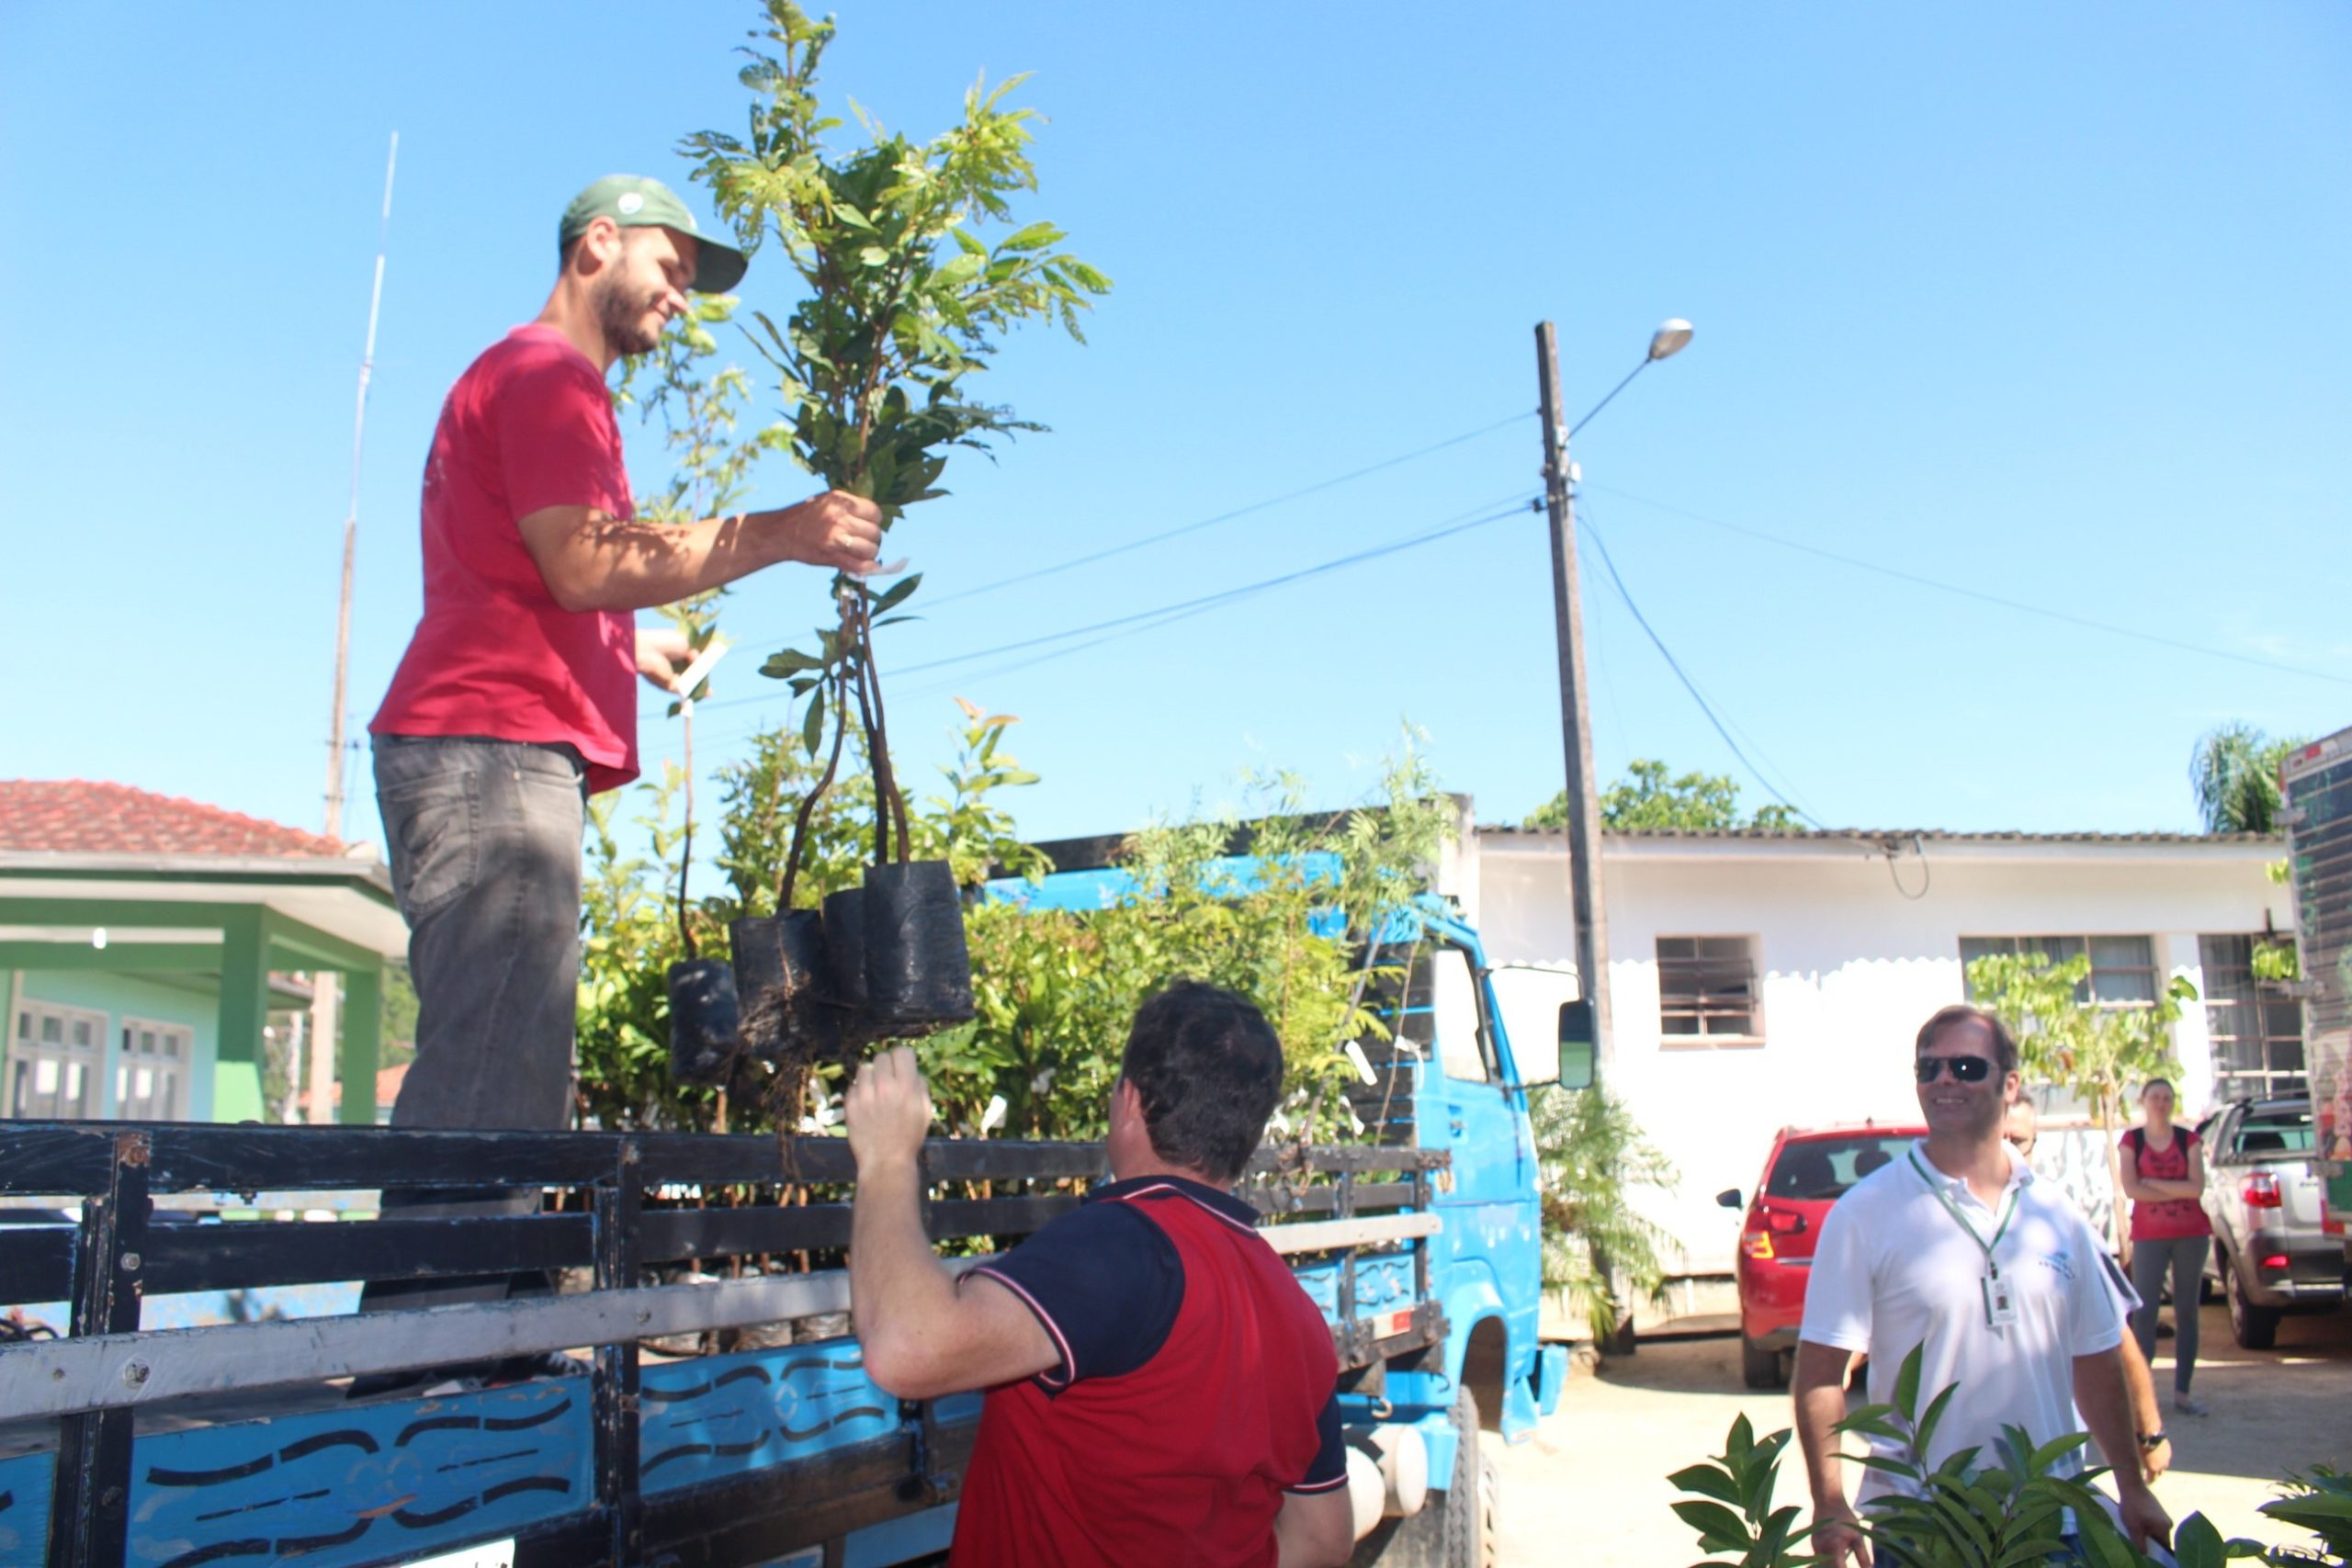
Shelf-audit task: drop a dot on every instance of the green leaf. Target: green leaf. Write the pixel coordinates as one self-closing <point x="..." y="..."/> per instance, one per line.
<point x="791" y="661"/>
<point x="896" y="595"/>
<point x="1928" y="1422"/>
<point x="2197" y="1544"/>
<point x="812" y="724"/>
<point x="1906" y="1381"/>
<point x="1709" y="1481"/>
<point x="1719" y="1528"/>
<point x="1035" y="237"/>
<point x="2054" y="1449"/>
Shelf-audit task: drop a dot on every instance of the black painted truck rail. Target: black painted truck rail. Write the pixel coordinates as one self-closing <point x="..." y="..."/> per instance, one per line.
<point x="630" y="1204"/>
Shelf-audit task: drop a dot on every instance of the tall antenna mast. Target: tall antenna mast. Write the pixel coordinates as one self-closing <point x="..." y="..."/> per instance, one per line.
<point x="325" y="990"/>
<point x="351" y="515"/>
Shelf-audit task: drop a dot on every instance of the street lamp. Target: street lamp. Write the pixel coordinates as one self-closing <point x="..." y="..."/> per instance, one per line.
<point x="1583" y="798"/>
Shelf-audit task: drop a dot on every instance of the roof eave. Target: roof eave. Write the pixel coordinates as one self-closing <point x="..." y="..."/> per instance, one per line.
<point x="292" y="870"/>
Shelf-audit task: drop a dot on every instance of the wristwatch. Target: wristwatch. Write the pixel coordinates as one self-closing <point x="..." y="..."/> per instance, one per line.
<point x="2154" y="1440"/>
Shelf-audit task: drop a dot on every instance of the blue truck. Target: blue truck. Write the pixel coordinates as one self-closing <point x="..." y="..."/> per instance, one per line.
<point x="722" y="1415"/>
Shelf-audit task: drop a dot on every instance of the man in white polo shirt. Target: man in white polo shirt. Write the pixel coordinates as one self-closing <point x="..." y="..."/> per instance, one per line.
<point x="1953" y="1248"/>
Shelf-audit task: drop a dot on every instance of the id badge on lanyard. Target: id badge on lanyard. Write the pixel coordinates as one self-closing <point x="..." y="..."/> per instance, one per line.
<point x="2000" y="1295"/>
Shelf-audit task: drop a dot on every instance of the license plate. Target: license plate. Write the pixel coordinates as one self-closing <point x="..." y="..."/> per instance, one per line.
<point x="488" y="1554"/>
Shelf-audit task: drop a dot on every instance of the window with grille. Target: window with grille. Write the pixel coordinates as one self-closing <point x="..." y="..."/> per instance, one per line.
<point x="1706" y="988"/>
<point x="2123" y="968"/>
<point x="2258" y="1028"/>
<point x="149" y="1070"/>
<point x="54" y="1060"/>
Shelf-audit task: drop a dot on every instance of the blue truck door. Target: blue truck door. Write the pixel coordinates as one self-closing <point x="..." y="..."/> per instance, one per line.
<point x="1490" y="1157"/>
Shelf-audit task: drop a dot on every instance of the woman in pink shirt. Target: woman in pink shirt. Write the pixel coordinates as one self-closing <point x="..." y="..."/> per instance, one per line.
<point x="2163" y="1175"/>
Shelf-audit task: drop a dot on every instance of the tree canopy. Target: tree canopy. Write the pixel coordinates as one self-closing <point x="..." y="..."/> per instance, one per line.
<point x="2235" y="773"/>
<point x="1648" y="797"/>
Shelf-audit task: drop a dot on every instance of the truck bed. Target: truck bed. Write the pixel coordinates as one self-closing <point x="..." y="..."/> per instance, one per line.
<point x="237" y="1443"/>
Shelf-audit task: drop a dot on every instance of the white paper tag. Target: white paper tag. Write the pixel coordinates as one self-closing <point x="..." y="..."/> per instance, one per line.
<point x="2000" y="1303"/>
<point x="488" y="1554"/>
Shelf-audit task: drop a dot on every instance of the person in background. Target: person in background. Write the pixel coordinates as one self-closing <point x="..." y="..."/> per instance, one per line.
<point x="2022" y="1128"/>
<point x="2163" y="1175"/>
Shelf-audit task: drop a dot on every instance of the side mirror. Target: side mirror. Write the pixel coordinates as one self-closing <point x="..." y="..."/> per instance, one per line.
<point x="1730" y="1198"/>
<point x="1577" y="1035"/>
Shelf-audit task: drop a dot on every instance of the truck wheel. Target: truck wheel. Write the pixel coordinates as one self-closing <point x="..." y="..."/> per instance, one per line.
<point x="2254" y="1327"/>
<point x="1759" y="1367"/>
<point x="1455" y="1528"/>
<point x="1490" y="1507"/>
<point x="1467" y="1544"/>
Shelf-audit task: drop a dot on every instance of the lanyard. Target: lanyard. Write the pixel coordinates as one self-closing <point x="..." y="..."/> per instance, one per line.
<point x="1993" y="1268"/>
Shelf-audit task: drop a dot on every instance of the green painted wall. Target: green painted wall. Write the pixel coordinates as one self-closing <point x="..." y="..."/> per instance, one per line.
<point x="216" y="1091"/>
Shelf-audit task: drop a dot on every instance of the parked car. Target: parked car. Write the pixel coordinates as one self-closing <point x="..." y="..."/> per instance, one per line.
<point x="2271" y="1256"/>
<point x="1808" y="1170"/>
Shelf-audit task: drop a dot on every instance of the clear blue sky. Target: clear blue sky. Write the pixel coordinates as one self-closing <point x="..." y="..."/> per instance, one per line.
<point x="2046" y="302"/>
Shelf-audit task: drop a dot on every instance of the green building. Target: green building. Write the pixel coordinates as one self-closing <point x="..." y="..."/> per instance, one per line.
<point x="146" y="943"/>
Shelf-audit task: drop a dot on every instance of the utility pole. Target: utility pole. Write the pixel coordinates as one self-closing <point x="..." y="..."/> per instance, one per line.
<point x="1585" y="894"/>
<point x="327" y="988"/>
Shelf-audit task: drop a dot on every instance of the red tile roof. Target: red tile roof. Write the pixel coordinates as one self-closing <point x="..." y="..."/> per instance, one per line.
<point x="76" y="817"/>
<point x="388" y="1088"/>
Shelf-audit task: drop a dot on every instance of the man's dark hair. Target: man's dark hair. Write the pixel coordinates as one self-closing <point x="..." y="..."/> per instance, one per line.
<point x="2005" y="1045"/>
<point x="1209" y="1070"/>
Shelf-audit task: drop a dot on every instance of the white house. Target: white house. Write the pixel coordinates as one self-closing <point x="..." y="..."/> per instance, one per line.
<point x="1766" y="979"/>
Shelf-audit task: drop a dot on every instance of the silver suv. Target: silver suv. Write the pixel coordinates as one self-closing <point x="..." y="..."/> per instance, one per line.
<point x="2262" y="1191"/>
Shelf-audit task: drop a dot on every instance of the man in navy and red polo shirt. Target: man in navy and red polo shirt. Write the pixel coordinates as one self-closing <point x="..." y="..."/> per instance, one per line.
<point x="1160" y="1388"/>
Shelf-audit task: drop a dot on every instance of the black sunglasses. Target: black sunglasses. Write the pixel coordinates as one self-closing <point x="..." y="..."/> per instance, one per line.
<point x="1965" y="1069"/>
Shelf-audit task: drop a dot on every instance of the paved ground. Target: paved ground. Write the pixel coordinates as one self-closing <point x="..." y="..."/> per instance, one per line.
<point x="1589" y="1488"/>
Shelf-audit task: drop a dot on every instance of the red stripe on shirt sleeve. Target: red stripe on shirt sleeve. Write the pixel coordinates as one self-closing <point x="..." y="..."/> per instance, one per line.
<point x="1061" y="1341"/>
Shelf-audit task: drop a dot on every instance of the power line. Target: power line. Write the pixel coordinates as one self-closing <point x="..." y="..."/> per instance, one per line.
<point x="1585" y="524"/>
<point x="1162" y="537"/>
<point x="1481" y="517"/>
<point x="1187" y="528"/>
<point x="1444" y="530"/>
<point x="2084" y="622"/>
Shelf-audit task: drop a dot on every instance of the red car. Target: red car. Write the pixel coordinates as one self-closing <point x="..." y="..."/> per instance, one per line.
<point x="1808" y="1170"/>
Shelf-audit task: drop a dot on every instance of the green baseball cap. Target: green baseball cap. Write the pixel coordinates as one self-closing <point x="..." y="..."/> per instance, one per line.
<point x="634" y="201"/>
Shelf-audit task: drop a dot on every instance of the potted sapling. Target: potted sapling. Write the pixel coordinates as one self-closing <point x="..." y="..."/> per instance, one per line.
<point x="913" y="269"/>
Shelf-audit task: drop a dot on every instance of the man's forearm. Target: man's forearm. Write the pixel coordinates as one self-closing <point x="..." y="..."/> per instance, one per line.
<point x="900" y="1293"/>
<point x="2100" y="1394"/>
<point x="612" y="563"/>
<point x="2139" y="1388"/>
<point x="1820" y="1398"/>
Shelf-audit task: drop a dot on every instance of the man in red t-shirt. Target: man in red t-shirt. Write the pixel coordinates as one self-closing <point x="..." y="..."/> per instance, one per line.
<point x="1160" y="1390"/>
<point x="514" y="702"/>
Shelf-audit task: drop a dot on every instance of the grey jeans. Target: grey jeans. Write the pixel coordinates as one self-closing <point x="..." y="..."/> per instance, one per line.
<point x="484" y="837"/>
<point x="2185" y="1257"/>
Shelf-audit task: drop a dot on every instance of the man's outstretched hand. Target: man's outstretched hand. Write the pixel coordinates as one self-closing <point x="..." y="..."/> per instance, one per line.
<point x="836" y="529"/>
<point x="888" y="1111"/>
